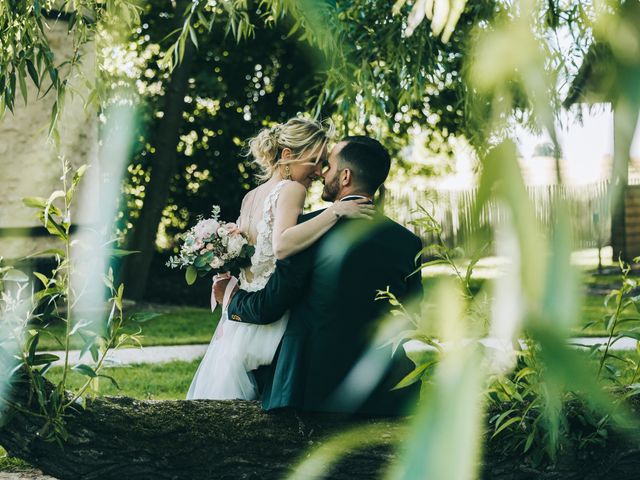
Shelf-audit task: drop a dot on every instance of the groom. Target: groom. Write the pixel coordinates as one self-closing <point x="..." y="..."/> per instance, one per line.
<point x="326" y="361"/>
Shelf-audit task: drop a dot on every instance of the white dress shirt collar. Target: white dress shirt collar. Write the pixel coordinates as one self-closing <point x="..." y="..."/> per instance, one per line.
<point x="354" y="197"/>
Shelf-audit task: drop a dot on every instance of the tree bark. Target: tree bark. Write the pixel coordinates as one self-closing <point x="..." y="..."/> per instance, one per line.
<point x="120" y="437"/>
<point x="625" y="116"/>
<point x="136" y="267"/>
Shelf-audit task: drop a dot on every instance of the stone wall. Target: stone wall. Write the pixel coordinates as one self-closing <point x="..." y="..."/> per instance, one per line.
<point x="29" y="163"/>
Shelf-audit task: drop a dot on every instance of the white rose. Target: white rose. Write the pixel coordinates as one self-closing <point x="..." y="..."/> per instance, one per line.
<point x="236" y="242"/>
<point x="205" y="228"/>
<point x="216" y="263"/>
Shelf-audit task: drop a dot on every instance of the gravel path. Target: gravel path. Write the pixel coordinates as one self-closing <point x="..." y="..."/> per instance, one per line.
<point x="189" y="353"/>
<point x="125" y="356"/>
<point x="25" y="475"/>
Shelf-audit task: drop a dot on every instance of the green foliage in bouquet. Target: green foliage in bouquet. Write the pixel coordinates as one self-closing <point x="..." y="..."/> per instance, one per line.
<point x="212" y="246"/>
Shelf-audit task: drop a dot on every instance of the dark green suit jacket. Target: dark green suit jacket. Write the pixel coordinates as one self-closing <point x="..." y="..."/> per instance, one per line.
<point x="325" y="361"/>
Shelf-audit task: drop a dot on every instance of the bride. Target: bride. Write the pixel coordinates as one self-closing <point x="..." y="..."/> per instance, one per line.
<point x="291" y="156"/>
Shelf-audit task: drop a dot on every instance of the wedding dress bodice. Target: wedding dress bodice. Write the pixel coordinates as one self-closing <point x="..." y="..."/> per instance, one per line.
<point x="263" y="261"/>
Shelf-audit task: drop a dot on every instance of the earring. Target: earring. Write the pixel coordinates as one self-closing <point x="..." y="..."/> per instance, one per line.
<point x="287" y="172"/>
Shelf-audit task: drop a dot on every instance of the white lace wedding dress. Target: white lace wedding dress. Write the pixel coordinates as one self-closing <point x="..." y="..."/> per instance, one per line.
<point x="238" y="348"/>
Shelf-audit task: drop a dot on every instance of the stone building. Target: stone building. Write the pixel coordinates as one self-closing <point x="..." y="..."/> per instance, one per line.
<point x="30" y="165"/>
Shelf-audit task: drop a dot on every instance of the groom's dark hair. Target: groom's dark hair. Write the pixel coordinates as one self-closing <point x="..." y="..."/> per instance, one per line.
<point x="368" y="161"/>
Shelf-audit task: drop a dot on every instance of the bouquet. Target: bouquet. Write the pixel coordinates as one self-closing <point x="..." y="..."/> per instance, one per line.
<point x="212" y="246"/>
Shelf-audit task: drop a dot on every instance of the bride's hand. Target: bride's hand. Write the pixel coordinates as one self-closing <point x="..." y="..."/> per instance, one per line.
<point x="221" y="276"/>
<point x="360" y="208"/>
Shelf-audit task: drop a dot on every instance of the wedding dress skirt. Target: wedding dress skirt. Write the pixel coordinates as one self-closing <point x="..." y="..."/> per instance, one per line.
<point x="235" y="350"/>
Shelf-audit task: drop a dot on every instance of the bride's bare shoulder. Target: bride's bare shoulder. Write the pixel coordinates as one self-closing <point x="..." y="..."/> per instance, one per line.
<point x="294" y="189"/>
<point x="246" y="200"/>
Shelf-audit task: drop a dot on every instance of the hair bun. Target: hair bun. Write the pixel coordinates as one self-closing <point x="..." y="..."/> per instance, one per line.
<point x="264" y="147"/>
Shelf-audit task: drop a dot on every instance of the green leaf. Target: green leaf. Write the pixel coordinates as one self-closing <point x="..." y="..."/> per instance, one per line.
<point x="203" y="260"/>
<point x="142" y="317"/>
<point x="48" y="292"/>
<point x="32" y="346"/>
<point x="44" y="358"/>
<point x="50" y="251"/>
<point x="42" y="278"/>
<point x="113" y="380"/>
<point x="191" y="274"/>
<point x="193" y="35"/>
<point x="529" y="442"/>
<point x="629" y="320"/>
<point x="609" y="323"/>
<point x="511" y="421"/>
<point x="77" y="176"/>
<point x="500" y="418"/>
<point x="85" y="370"/>
<point x="117" y="252"/>
<point x="54" y="228"/>
<point x="181" y="47"/>
<point x="118" y="297"/>
<point x="629" y="334"/>
<point x="524" y="373"/>
<point x="79" y="325"/>
<point x="93" y="349"/>
<point x="610" y="295"/>
<point x="33" y="73"/>
<point x="35" y="202"/>
<point x="414" y="376"/>
<point x="54" y="117"/>
<point x="23" y="84"/>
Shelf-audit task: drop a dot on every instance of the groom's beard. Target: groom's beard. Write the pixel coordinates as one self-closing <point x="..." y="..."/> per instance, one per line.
<point x="331" y="190"/>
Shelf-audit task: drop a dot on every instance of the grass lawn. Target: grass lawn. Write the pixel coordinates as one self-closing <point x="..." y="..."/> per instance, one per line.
<point x="161" y="381"/>
<point x="592" y="308"/>
<point x="174" y="326"/>
<point x="594" y="285"/>
<point x="11" y="464"/>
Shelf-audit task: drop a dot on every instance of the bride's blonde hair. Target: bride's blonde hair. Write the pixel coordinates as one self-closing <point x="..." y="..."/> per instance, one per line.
<point x="302" y="136"/>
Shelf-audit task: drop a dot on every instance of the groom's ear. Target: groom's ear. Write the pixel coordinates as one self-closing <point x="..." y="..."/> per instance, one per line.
<point x="347" y="177"/>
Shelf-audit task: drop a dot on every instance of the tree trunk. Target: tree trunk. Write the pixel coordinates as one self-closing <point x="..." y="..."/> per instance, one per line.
<point x="625" y="117"/>
<point x="119" y="438"/>
<point x="136" y="267"/>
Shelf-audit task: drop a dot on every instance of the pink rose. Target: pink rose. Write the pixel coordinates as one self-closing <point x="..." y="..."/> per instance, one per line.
<point x="209" y="246"/>
<point x="232" y="228"/>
